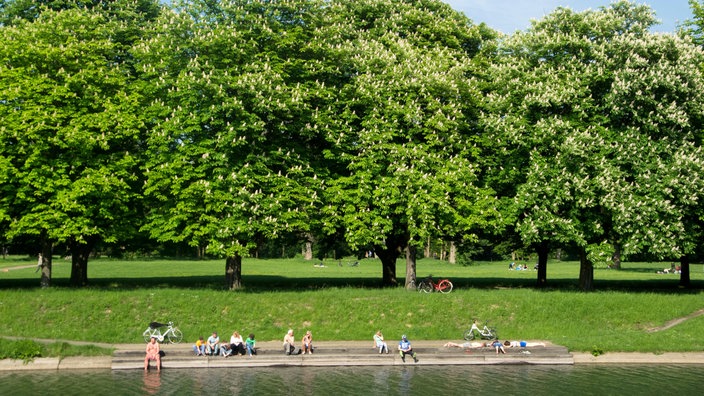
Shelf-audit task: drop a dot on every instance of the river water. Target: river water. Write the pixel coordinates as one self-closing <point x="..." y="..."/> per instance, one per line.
<point x="408" y="380"/>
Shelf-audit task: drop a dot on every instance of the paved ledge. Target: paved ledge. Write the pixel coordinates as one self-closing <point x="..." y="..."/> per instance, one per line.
<point x="341" y="353"/>
<point x="640" y="358"/>
<point x="347" y="353"/>
<point x="69" y="363"/>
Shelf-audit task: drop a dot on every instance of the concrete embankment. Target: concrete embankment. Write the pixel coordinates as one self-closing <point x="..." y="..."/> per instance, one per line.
<point x="347" y="353"/>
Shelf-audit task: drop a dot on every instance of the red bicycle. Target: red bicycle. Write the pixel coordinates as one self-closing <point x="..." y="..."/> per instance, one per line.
<point x="427" y="285"/>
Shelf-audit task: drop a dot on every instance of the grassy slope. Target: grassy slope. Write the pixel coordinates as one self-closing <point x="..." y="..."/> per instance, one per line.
<point x="343" y="302"/>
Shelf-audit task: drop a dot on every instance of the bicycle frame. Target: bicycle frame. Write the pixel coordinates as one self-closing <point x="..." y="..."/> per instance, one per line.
<point x="486" y="333"/>
<point x="172" y="334"/>
<point x="427" y="285"/>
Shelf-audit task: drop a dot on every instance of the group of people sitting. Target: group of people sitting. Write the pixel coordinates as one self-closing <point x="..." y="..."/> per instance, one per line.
<point x="237" y="346"/>
<point x="521" y="267"/>
<point x="404" y="346"/>
<point x="674" y="269"/>
<point x="290" y="343"/>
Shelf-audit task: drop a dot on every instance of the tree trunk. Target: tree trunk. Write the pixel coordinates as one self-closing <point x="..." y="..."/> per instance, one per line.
<point x="586" y="272"/>
<point x="233" y="272"/>
<point x="426" y="253"/>
<point x="617" y="256"/>
<point x="543" y="249"/>
<point x="46" y="262"/>
<point x="79" y="262"/>
<point x="308" y="247"/>
<point x="388" y="255"/>
<point x="684" y="271"/>
<point x="452" y="258"/>
<point x="410" y="267"/>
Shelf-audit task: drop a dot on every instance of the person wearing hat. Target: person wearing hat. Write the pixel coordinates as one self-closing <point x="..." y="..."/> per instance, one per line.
<point x="404" y="348"/>
<point x="153" y="353"/>
<point x="212" y="346"/>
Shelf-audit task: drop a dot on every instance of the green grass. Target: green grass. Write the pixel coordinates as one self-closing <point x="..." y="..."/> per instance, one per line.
<point x="27" y="350"/>
<point x="345" y="302"/>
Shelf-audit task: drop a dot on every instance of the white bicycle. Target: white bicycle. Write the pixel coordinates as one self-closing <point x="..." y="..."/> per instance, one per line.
<point x="172" y="334"/>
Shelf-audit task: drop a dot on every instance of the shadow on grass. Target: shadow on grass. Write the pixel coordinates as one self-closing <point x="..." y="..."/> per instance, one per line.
<point x="267" y="283"/>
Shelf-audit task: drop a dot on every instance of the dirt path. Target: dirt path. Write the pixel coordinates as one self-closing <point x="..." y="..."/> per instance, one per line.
<point x="8" y="269"/>
<point x="675" y="322"/>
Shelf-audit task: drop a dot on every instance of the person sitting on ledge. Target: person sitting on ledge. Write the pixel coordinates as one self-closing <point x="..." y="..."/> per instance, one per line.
<point x="251" y="345"/>
<point x="499" y="346"/>
<point x="380" y="343"/>
<point x="307" y="343"/>
<point x="289" y="343"/>
<point x="153" y="353"/>
<point x="405" y="348"/>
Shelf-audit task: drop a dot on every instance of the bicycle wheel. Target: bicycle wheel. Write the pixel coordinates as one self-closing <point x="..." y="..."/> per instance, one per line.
<point x="425" y="287"/>
<point x="469" y="335"/>
<point x="175" y="336"/>
<point x="147" y="334"/>
<point x="445" y="286"/>
<point x="493" y="334"/>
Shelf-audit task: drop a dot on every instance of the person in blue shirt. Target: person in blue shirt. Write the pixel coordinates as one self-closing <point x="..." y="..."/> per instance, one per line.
<point x="404" y="348"/>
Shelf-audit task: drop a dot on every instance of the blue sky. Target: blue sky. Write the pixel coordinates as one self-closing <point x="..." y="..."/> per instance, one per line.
<point x="508" y="16"/>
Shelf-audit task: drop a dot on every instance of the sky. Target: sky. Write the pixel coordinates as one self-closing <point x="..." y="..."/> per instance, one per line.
<point x="507" y="16"/>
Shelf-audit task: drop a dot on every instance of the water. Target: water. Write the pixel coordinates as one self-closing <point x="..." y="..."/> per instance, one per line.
<point x="409" y="380"/>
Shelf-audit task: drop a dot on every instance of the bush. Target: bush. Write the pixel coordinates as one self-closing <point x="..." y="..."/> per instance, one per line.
<point x="25" y="350"/>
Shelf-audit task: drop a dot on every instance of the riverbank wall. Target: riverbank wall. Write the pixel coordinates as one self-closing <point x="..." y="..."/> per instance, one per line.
<point x="348" y="353"/>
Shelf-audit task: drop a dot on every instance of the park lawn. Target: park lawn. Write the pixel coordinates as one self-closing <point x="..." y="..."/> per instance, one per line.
<point x="343" y="301"/>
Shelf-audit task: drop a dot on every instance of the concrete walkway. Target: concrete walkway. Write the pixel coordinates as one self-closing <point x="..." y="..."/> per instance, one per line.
<point x="346" y="353"/>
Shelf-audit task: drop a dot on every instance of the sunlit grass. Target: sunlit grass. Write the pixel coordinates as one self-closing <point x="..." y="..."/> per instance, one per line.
<point x="341" y="301"/>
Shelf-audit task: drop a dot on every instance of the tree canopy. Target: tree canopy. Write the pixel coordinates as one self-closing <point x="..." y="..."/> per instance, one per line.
<point x="384" y="123"/>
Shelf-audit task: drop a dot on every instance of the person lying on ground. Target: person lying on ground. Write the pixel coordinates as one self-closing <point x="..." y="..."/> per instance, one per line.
<point x="473" y="344"/>
<point x="522" y="344"/>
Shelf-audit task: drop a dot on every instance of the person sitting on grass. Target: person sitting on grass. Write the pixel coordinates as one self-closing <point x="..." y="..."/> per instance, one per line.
<point x="405" y="348"/>
<point x="153" y="353"/>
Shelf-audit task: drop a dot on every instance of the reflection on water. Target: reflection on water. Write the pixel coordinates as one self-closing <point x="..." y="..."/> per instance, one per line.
<point x="385" y="380"/>
<point x="152" y="383"/>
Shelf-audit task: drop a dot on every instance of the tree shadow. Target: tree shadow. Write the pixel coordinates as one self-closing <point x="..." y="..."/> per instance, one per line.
<point x="267" y="283"/>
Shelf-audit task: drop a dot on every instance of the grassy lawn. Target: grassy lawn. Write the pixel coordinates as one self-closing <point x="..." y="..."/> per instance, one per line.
<point x="342" y="301"/>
